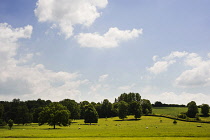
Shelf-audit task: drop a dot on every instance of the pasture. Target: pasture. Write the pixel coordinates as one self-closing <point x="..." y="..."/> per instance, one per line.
<point x="173" y="111"/>
<point x="147" y="127"/>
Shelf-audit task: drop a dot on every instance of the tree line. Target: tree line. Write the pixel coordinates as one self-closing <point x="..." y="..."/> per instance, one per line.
<point x="62" y="112"/>
<point x="45" y="111"/>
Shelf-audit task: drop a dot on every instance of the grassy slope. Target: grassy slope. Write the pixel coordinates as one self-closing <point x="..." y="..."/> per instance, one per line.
<point x="112" y="128"/>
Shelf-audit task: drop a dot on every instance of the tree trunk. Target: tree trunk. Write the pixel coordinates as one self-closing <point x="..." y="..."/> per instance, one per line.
<point x="54" y="126"/>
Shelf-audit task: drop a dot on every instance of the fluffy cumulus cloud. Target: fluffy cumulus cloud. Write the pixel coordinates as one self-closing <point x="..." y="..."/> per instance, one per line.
<point x="197" y="73"/>
<point x="110" y="39"/>
<point x="31" y="81"/>
<point x="68" y="13"/>
<point x="160" y="66"/>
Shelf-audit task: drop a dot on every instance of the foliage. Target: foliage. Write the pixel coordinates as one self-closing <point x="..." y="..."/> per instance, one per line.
<point x="73" y="107"/>
<point x="205" y="110"/>
<point x="10" y="124"/>
<point x="135" y="109"/>
<point x="82" y="108"/>
<point x="122" y="110"/>
<point x="192" y="109"/>
<point x="1" y="111"/>
<point x="106" y="109"/>
<point x="129" y="97"/>
<point x="91" y="115"/>
<point x="54" y="114"/>
<point x="23" y="115"/>
<point x="146" y="106"/>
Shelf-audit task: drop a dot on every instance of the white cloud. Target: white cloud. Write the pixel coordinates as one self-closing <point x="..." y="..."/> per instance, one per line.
<point x="126" y="88"/>
<point x="209" y="55"/>
<point x="160" y="66"/>
<point x="103" y="77"/>
<point x="165" y="62"/>
<point x="198" y="75"/>
<point x="110" y="39"/>
<point x="175" y="54"/>
<point x="31" y="81"/>
<point x="154" y="58"/>
<point x="68" y="13"/>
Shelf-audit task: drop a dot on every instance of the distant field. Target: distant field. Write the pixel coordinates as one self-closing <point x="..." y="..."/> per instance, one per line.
<point x="173" y="111"/>
<point x="147" y="127"/>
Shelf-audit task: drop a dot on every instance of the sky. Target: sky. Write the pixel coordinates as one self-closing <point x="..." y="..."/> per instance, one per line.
<point x="98" y="49"/>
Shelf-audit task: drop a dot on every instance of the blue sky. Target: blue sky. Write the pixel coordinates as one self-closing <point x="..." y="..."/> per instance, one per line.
<point x="97" y="49"/>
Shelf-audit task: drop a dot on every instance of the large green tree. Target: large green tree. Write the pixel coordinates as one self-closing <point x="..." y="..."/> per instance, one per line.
<point x="106" y="109"/>
<point x="122" y="110"/>
<point x="135" y="109"/>
<point x="192" y="109"/>
<point x="90" y="115"/>
<point x="54" y="114"/>
<point x="205" y="110"/>
<point x="83" y="104"/>
<point x="146" y="106"/>
<point x="73" y="107"/>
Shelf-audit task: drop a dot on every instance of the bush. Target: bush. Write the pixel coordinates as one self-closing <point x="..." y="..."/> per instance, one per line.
<point x="174" y="122"/>
<point x="182" y="115"/>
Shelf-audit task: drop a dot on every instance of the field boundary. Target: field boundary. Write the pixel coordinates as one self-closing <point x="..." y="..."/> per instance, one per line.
<point x="176" y="118"/>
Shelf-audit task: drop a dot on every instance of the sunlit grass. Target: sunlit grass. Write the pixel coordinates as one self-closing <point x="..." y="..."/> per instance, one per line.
<point x="147" y="126"/>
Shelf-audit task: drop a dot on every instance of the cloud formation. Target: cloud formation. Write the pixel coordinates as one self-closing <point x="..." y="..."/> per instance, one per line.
<point x="110" y="39"/>
<point x="68" y="13"/>
<point x="31" y="81"/>
<point x="197" y="73"/>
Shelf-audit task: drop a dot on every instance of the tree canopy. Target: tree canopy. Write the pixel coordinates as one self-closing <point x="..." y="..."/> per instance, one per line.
<point x="122" y="110"/>
<point x="54" y="114"/>
<point x="205" y="110"/>
<point x="192" y="109"/>
<point x="91" y="115"/>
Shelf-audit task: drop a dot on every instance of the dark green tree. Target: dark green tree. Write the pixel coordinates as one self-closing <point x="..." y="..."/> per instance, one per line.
<point x="122" y="110"/>
<point x="73" y="107"/>
<point x="91" y="115"/>
<point x="54" y="114"/>
<point x="23" y="115"/>
<point x="1" y="111"/>
<point x="106" y="109"/>
<point x="146" y="106"/>
<point x="135" y="109"/>
<point x="10" y="124"/>
<point x="1" y="114"/>
<point x="158" y="104"/>
<point x="192" y="109"/>
<point x="205" y="110"/>
<point x="82" y="108"/>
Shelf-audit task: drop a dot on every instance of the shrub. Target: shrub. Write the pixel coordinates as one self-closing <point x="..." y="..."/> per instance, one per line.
<point x="174" y="122"/>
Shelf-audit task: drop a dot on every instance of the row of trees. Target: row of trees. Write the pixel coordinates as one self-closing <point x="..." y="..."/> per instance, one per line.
<point x="46" y="111"/>
<point x="193" y="109"/>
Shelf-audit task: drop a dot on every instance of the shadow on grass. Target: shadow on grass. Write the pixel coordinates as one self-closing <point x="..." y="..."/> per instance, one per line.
<point x="128" y="120"/>
<point x="87" y="124"/>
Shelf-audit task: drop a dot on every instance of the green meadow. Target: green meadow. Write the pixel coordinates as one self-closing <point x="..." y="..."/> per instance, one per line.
<point x="148" y="127"/>
<point x="173" y="111"/>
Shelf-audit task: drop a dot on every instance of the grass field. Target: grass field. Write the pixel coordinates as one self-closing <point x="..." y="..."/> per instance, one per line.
<point x="147" y="127"/>
<point x="173" y="111"/>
